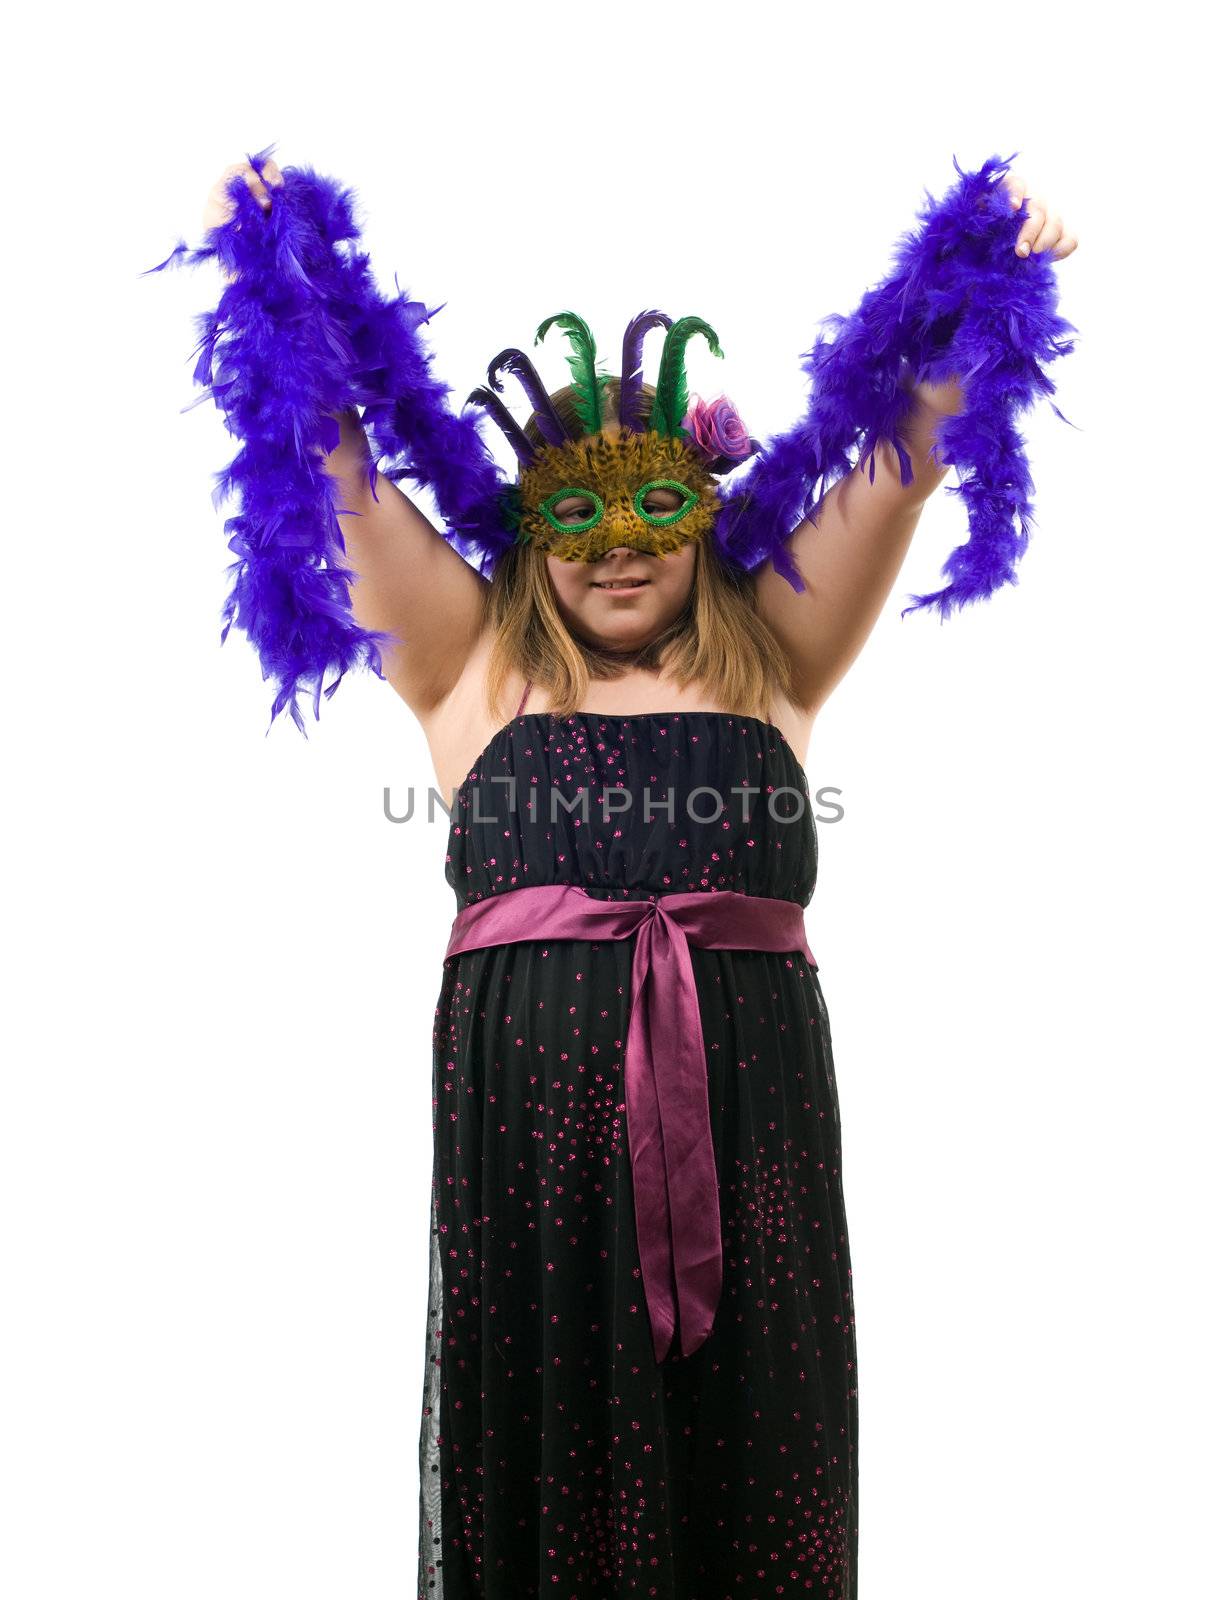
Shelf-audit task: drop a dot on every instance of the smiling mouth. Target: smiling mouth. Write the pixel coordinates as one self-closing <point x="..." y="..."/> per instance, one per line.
<point x="621" y="583"/>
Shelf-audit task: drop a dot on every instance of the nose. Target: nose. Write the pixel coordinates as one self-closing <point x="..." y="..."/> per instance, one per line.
<point x="620" y="550"/>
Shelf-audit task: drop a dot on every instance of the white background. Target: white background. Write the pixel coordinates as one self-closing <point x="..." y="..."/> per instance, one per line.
<point x="223" y="961"/>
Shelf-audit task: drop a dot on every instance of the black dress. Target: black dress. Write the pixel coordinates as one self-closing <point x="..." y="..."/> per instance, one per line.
<point x="557" y="1457"/>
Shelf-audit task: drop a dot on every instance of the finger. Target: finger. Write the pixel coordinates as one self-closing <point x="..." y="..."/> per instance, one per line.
<point x="257" y="188"/>
<point x="1031" y="227"/>
<point x="220" y="189"/>
<point x="1016" y="187"/>
<point x="254" y="183"/>
<point x="1048" y="236"/>
<point x="272" y="174"/>
<point x="1065" y="246"/>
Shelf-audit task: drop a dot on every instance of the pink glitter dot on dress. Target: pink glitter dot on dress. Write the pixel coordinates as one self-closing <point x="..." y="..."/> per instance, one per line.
<point x="558" y="1455"/>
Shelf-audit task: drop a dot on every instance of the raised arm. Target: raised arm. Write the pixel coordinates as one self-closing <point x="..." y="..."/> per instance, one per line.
<point x="324" y="380"/>
<point x="410" y="582"/>
<point x="850" y="558"/>
<point x="945" y="352"/>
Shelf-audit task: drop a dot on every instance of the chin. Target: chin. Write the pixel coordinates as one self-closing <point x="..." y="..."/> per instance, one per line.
<point x="631" y="634"/>
<point x="625" y="642"/>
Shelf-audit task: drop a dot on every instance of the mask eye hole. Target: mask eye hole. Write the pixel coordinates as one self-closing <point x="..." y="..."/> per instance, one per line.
<point x="664" y="500"/>
<point x="572" y="509"/>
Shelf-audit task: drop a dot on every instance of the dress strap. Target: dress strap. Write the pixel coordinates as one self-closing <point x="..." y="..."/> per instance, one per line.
<point x="529" y="684"/>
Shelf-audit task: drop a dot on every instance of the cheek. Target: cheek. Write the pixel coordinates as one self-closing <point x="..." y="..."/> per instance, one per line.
<point x="570" y="578"/>
<point x="676" y="574"/>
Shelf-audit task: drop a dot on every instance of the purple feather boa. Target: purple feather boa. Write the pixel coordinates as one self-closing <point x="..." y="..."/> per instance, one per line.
<point x="958" y="303"/>
<point x="302" y="333"/>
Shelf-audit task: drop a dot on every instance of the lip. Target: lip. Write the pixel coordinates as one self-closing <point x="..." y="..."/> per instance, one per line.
<point x="623" y="585"/>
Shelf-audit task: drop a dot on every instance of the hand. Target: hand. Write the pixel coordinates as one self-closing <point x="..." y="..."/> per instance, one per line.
<point x="1043" y="228"/>
<point x="220" y="207"/>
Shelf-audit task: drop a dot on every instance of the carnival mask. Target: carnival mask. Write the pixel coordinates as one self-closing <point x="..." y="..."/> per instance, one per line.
<point x="582" y="494"/>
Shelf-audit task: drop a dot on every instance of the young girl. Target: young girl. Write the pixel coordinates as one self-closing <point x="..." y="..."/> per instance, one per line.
<point x="640" y="1359"/>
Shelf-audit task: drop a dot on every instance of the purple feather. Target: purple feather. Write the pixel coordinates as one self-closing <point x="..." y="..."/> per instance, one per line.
<point x="633" y="414"/>
<point x="959" y="302"/>
<point x="506" y="422"/>
<point x="300" y="334"/>
<point x="550" y="423"/>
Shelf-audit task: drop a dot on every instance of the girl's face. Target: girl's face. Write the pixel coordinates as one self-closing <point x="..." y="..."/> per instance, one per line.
<point x="626" y="599"/>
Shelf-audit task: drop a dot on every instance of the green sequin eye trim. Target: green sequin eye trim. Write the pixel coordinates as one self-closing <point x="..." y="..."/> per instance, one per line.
<point x="569" y="494"/>
<point x="690" y="498"/>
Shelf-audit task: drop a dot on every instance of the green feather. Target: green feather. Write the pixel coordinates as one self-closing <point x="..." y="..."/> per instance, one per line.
<point x="587" y="382"/>
<point x="672" y="398"/>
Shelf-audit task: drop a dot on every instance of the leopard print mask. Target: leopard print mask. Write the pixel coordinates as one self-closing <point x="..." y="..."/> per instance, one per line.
<point x="613" y="473"/>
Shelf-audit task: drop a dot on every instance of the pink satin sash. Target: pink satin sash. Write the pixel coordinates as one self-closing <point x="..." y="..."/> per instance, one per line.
<point x="673" y="1162"/>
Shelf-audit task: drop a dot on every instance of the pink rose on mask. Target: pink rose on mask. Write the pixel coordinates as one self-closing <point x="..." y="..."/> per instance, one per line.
<point x="717" y="429"/>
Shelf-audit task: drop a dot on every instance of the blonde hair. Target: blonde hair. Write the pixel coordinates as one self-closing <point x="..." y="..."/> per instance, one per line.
<point x="718" y="640"/>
